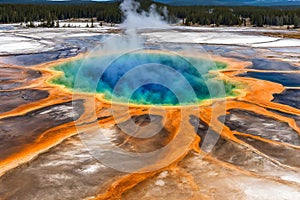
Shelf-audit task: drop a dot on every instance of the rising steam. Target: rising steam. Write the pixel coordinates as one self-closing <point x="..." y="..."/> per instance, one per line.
<point x="142" y="20"/>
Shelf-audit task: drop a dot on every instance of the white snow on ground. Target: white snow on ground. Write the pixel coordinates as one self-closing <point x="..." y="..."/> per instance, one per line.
<point x="293" y="177"/>
<point x="35" y="40"/>
<point x="20" y="47"/>
<point x="266" y="190"/>
<point x="233" y="29"/>
<point x="90" y="169"/>
<point x="15" y="44"/>
<point x="21" y="40"/>
<point x="280" y="43"/>
<point x="222" y="38"/>
<point x="81" y="34"/>
<point x="7" y="39"/>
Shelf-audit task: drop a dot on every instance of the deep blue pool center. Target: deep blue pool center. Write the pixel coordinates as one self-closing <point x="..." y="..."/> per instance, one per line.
<point x="148" y="78"/>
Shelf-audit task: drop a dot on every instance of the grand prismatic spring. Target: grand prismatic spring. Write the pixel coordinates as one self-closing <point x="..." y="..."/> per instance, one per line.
<point x="150" y="114"/>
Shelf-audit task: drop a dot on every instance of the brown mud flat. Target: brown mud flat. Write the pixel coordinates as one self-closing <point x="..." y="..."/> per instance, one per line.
<point x="258" y="125"/>
<point x="12" y="77"/>
<point x="24" y="129"/>
<point x="289" y="97"/>
<point x="43" y="155"/>
<point x="295" y="35"/>
<point x="13" y="99"/>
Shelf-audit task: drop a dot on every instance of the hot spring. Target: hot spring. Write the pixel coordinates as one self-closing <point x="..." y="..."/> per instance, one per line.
<point x="146" y="78"/>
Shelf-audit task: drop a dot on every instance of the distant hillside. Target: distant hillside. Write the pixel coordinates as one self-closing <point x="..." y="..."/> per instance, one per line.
<point x="53" y="1"/>
<point x="177" y="2"/>
<point x="232" y="2"/>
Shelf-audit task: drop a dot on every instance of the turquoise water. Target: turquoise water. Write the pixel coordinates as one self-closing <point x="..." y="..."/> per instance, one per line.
<point x="145" y="78"/>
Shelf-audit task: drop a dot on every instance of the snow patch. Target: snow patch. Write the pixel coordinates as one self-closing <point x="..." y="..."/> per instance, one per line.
<point x="208" y="38"/>
<point x="160" y="183"/>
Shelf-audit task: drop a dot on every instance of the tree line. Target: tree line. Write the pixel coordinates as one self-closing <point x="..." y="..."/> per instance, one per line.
<point x="15" y="13"/>
<point x="242" y="15"/>
<point x="188" y="15"/>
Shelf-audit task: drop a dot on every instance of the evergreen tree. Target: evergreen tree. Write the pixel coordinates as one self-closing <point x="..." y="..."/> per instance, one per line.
<point x="296" y="21"/>
<point x="92" y="21"/>
<point x="52" y="24"/>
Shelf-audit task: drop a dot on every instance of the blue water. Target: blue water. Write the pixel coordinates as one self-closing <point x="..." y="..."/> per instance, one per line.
<point x="285" y="79"/>
<point x="145" y="78"/>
